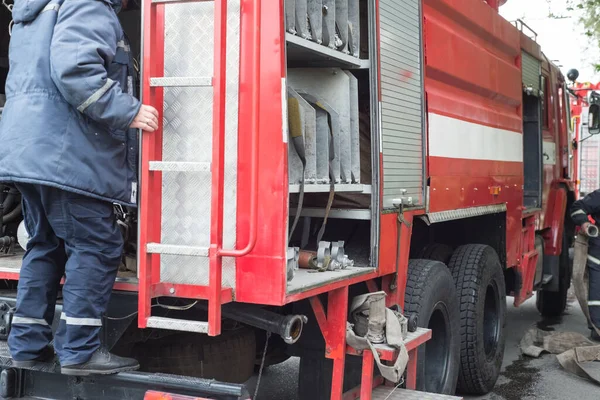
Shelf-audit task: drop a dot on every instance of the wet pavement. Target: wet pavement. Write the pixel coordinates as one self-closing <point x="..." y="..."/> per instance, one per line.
<point x="525" y="378"/>
<point x="522" y="378"/>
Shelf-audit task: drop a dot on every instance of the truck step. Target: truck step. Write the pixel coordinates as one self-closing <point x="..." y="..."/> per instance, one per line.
<point x="179" y="166"/>
<point x="6" y="361"/>
<point x="388" y="393"/>
<point x="387" y="353"/>
<point x="177" y="324"/>
<point x="184" y="81"/>
<point x="176" y="250"/>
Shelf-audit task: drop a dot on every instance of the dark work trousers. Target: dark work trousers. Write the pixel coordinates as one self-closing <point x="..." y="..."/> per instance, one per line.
<point x="73" y="236"/>
<point x="594" y="280"/>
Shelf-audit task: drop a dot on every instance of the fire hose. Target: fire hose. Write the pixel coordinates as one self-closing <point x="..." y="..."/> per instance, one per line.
<point x="580" y="271"/>
<point x="374" y="323"/>
<point x="575" y="353"/>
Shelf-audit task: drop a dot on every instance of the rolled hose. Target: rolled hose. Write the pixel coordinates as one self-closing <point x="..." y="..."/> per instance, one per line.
<point x="10" y="199"/>
<point x="14" y="214"/>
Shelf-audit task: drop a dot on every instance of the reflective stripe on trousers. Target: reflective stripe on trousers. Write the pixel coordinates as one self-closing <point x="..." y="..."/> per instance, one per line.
<point x="74" y="321"/>
<point x="594" y="282"/>
<point x="28" y="321"/>
<point x="74" y="236"/>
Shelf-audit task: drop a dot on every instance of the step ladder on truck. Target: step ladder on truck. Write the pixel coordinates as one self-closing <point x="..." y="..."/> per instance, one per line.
<point x="357" y="183"/>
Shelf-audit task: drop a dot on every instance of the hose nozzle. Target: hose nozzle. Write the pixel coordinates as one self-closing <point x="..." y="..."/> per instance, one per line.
<point x="592" y="231"/>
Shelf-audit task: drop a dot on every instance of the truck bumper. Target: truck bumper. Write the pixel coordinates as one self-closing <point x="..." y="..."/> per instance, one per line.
<point x="44" y="380"/>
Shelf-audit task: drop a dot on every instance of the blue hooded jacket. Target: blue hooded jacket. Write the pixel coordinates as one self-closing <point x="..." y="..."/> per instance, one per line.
<point x="70" y="100"/>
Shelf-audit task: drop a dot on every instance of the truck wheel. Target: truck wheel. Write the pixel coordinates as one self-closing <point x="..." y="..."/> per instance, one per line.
<point x="436" y="252"/>
<point x="276" y="350"/>
<point x="227" y="358"/>
<point x="553" y="304"/>
<point x="314" y="377"/>
<point x="479" y="281"/>
<point x="431" y="298"/>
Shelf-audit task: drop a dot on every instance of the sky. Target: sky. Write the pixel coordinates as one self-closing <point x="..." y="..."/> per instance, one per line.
<point x="562" y="40"/>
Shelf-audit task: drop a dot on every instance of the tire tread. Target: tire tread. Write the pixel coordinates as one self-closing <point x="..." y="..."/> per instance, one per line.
<point x="465" y="266"/>
<point x="423" y="282"/>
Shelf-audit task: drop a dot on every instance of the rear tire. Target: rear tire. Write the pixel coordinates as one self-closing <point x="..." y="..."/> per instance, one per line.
<point x="553" y="304"/>
<point x="479" y="281"/>
<point x="314" y="377"/>
<point x="431" y="298"/>
<point x="436" y="252"/>
<point x="227" y="358"/>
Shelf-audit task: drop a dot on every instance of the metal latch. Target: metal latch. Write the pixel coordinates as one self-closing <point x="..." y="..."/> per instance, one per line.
<point x="400" y="203"/>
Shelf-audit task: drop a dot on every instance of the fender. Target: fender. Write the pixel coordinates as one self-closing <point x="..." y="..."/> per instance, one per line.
<point x="555" y="215"/>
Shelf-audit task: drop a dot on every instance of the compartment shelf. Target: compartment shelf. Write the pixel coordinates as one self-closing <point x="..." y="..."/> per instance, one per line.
<point x="305" y="53"/>
<point x="325" y="188"/>
<point x="305" y="279"/>
<point x="335" y="213"/>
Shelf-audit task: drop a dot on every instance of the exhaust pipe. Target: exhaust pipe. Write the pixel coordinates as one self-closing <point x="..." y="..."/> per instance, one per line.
<point x="289" y="327"/>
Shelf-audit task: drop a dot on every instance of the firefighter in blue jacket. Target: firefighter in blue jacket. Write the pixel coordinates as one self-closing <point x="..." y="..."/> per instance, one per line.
<point x="69" y="143"/>
<point x="580" y="211"/>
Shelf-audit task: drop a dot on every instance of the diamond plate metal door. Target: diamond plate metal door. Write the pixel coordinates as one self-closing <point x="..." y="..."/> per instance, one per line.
<point x="187" y="138"/>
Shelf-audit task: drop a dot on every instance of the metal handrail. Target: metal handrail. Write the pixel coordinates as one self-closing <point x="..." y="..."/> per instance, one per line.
<point x="254" y="149"/>
<point x="520" y="25"/>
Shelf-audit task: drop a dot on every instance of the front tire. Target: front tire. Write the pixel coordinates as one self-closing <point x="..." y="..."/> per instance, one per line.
<point x="431" y="298"/>
<point x="479" y="281"/>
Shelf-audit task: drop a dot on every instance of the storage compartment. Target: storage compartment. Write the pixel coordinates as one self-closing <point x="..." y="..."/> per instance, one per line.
<point x="337" y="120"/>
<point x="329" y="91"/>
<point x="532" y="152"/>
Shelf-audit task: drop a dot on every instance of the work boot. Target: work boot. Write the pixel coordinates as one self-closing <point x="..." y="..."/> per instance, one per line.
<point x="101" y="363"/>
<point x="46" y="356"/>
<point x="595" y="337"/>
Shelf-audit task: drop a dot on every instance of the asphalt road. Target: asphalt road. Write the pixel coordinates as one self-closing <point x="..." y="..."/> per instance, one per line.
<point x="521" y="379"/>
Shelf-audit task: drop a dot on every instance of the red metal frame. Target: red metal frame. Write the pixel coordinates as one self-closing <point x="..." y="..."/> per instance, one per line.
<point x="333" y="327"/>
<point x="526" y="268"/>
<point x="218" y="166"/>
<point x="260" y="275"/>
<point x="150" y="182"/>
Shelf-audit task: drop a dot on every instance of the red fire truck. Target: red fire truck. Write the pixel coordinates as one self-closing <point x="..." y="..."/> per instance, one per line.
<point x="312" y="151"/>
<point x="586" y="152"/>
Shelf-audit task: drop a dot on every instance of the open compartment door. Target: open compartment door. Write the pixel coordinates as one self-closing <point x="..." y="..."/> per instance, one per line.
<point x="189" y="166"/>
<point x="402" y="102"/>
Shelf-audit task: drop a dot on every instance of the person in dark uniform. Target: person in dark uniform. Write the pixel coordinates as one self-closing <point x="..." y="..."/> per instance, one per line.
<point x="581" y="211"/>
<point x="69" y="135"/>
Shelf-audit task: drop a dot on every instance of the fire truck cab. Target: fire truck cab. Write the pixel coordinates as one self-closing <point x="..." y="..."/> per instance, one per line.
<point x="313" y="151"/>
